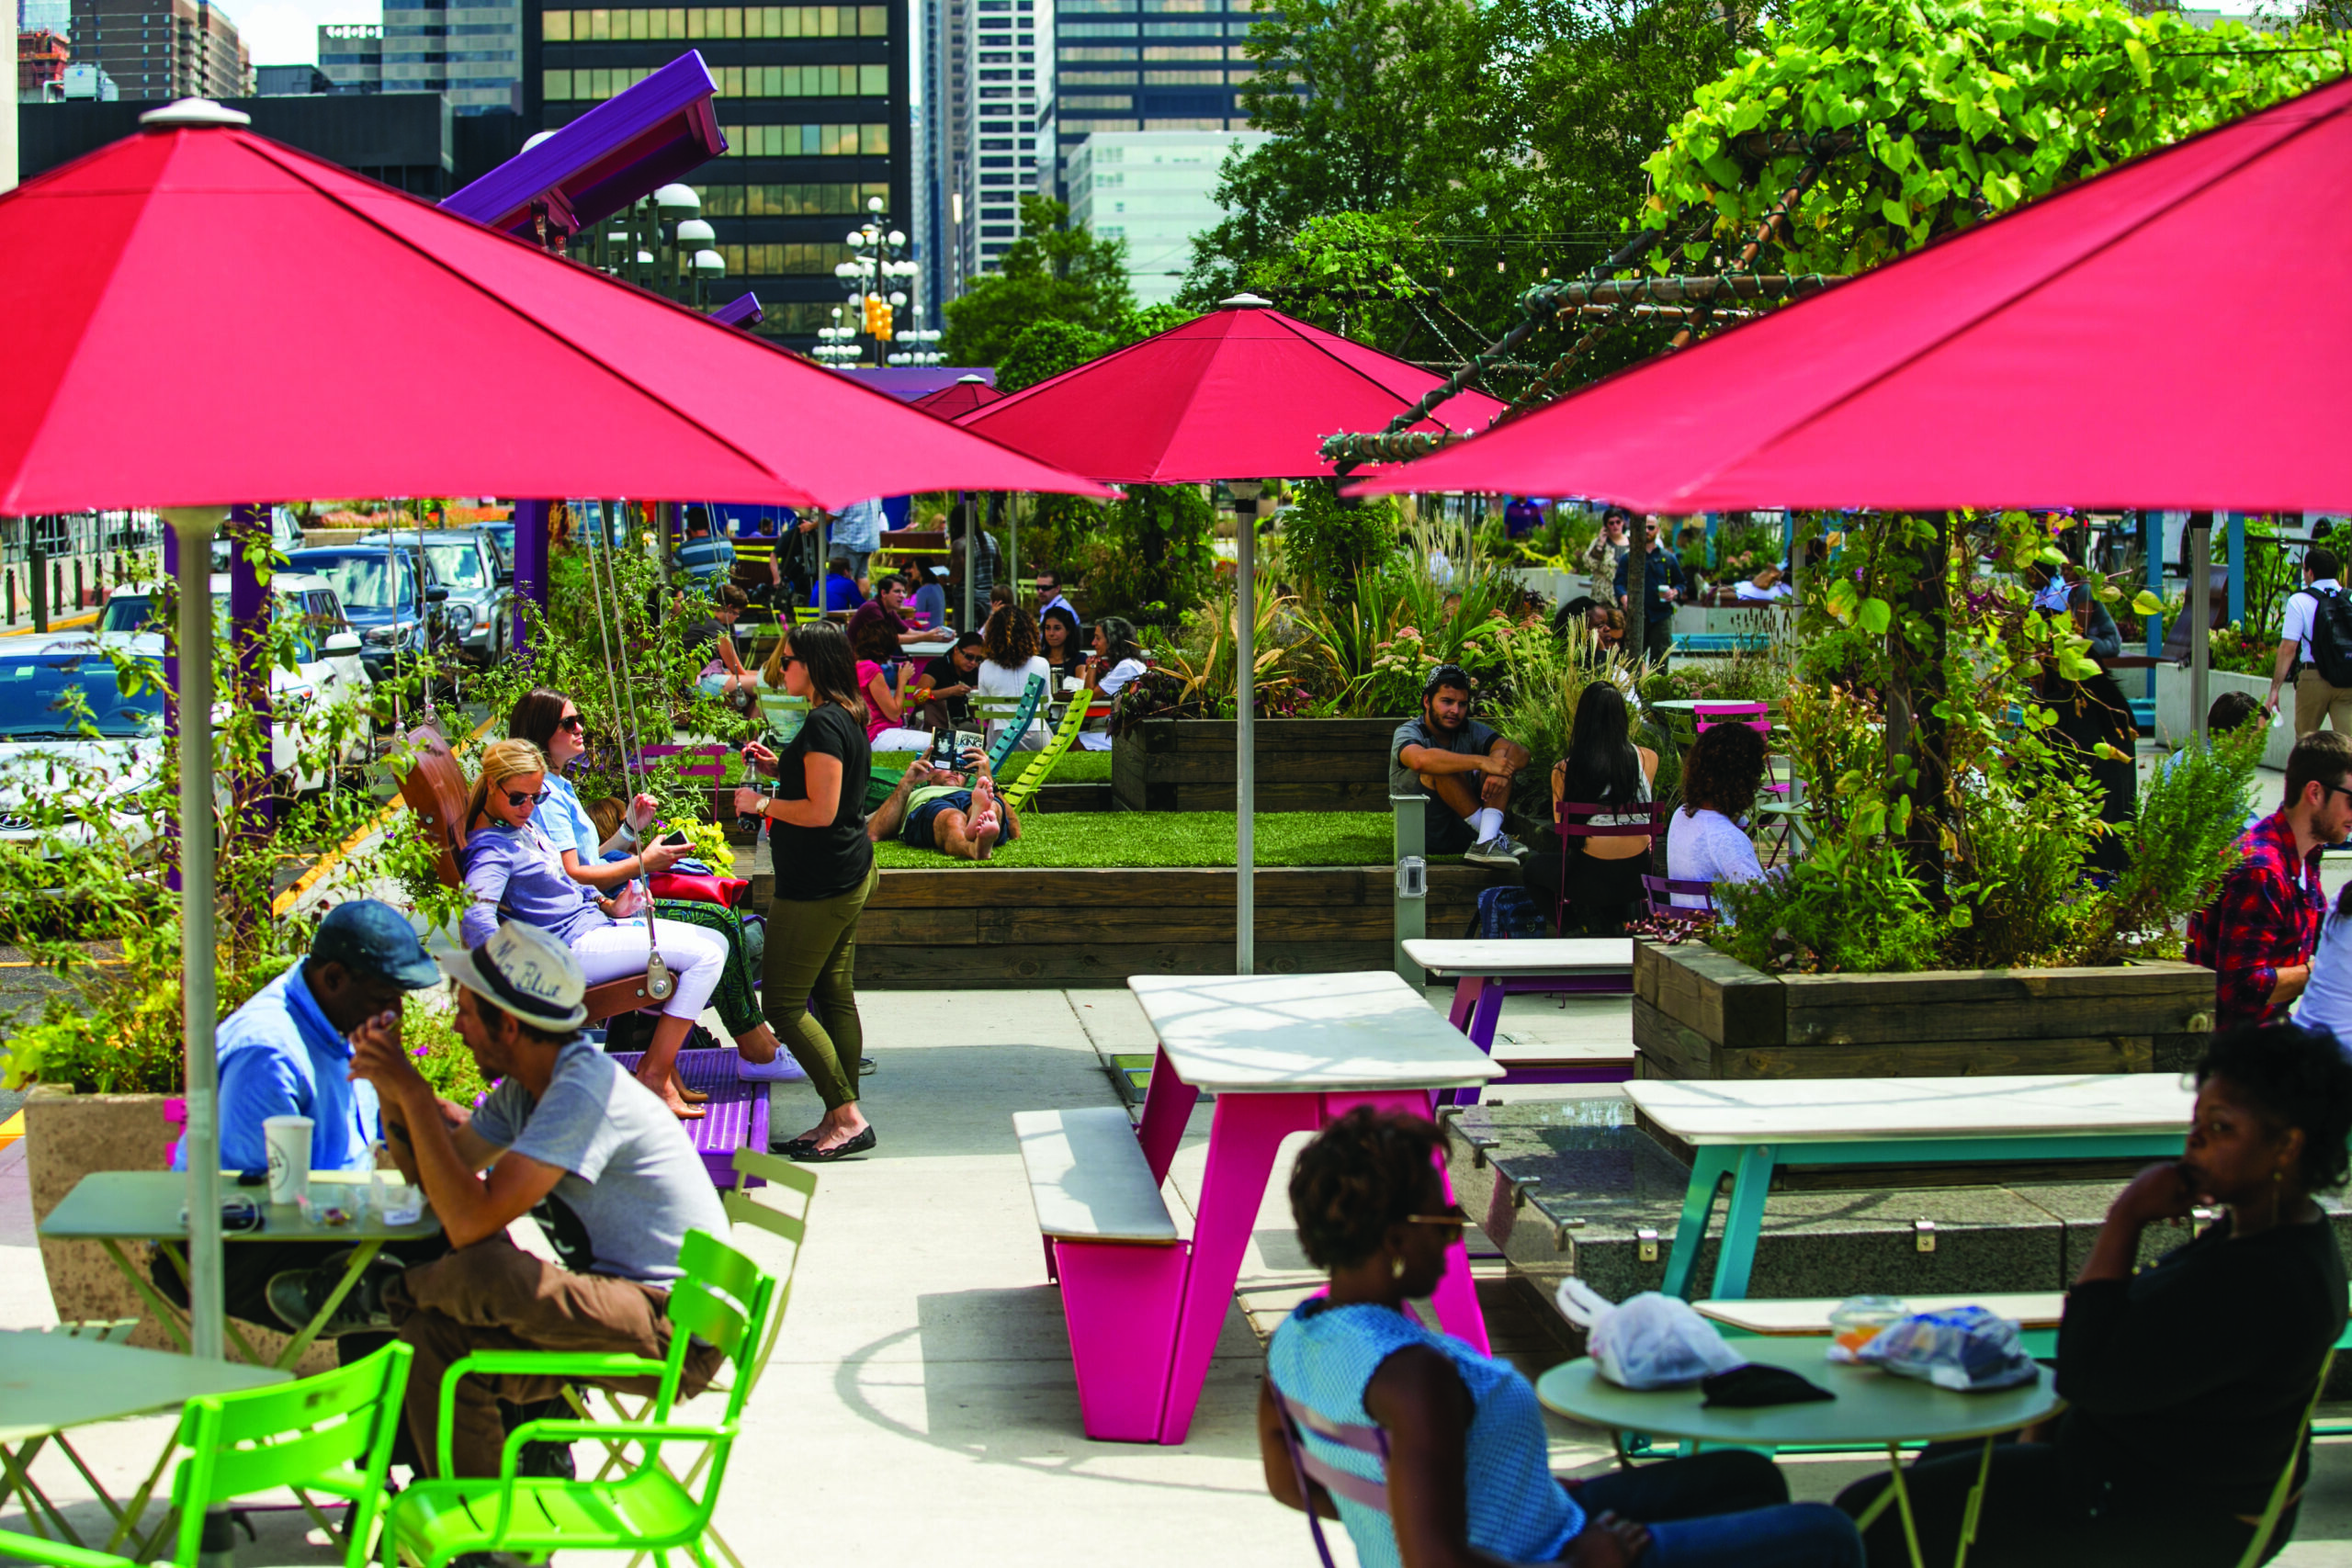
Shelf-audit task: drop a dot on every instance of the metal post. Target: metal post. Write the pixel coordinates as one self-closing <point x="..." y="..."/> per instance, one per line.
<point x="38" y="574"/>
<point x="530" y="564"/>
<point x="968" y="511"/>
<point x="1012" y="547"/>
<point x="2237" y="526"/>
<point x="194" y="528"/>
<point x="1245" y="740"/>
<point x="2200" y="614"/>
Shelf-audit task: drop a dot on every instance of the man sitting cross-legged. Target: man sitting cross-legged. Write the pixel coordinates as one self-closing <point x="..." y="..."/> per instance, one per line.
<point x="568" y="1135"/>
<point x="1464" y="768"/>
<point x="958" y="814"/>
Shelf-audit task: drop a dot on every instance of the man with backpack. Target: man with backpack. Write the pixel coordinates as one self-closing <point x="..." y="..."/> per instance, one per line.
<point x="2315" y="646"/>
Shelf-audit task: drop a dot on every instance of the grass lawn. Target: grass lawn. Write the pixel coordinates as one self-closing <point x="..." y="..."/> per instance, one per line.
<point x="1063" y="841"/>
<point x="1075" y="767"/>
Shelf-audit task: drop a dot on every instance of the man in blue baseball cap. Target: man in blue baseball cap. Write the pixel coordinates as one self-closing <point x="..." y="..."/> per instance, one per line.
<point x="288" y="1053"/>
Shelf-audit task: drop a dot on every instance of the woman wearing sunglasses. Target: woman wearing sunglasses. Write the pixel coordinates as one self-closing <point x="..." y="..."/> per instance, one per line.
<point x="1467" y="1473"/>
<point x="514" y="874"/>
<point x="608" y="861"/>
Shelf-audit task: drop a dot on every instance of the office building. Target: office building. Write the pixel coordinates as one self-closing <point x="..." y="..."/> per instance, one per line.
<point x="290" y="81"/>
<point x="162" y="49"/>
<point x="1009" y="48"/>
<point x="351" y="56"/>
<point x="1155" y="189"/>
<point x="946" y="175"/>
<point x="41" y="59"/>
<point x="471" y="54"/>
<point x="815" y="102"/>
<point x="1146" y="65"/>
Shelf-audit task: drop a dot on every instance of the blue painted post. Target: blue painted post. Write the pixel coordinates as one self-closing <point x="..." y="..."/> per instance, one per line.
<point x="530" y="564"/>
<point x="2237" y="566"/>
<point x="2151" y="531"/>
<point x="1714" y="522"/>
<point x="171" y="701"/>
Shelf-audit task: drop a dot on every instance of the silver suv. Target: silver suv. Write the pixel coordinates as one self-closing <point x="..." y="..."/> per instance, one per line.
<point x="477" y="615"/>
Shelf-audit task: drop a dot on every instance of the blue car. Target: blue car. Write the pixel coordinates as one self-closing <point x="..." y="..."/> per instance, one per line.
<point x="390" y="597"/>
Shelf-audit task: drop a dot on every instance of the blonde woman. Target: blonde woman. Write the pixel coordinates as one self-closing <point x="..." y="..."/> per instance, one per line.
<point x="514" y="872"/>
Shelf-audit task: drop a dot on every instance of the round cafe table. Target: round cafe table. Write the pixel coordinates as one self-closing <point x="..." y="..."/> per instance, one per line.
<point x="1872" y="1409"/>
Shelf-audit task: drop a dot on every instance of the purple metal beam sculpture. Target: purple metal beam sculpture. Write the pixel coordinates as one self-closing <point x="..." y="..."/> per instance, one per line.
<point x="623" y="150"/>
<point x="743" y="311"/>
<point x="530" y="565"/>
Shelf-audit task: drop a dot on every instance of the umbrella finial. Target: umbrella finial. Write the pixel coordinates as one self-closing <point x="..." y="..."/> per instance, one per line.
<point x="1245" y="302"/>
<point x="193" y="112"/>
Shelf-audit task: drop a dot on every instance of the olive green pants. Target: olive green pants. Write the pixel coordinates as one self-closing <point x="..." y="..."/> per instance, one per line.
<point x="812" y="955"/>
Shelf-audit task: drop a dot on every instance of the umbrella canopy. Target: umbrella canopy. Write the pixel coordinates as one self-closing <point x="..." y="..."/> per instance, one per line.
<point x="429" y="355"/>
<point x="2155" y="337"/>
<point x="960" y="397"/>
<point x="1243" y="392"/>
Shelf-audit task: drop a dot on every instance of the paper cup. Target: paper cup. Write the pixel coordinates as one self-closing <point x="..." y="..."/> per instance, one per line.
<point x="288" y="1140"/>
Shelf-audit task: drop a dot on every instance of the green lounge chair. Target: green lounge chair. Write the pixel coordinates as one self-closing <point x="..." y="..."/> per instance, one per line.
<point x="1021" y="791"/>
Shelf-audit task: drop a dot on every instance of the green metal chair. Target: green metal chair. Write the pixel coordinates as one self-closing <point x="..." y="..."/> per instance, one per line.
<point x="19" y="1465"/>
<point x="2268" y="1525"/>
<point x="1021" y="791"/>
<point x="724" y="1299"/>
<point x="1016" y="716"/>
<point x="331" y="1433"/>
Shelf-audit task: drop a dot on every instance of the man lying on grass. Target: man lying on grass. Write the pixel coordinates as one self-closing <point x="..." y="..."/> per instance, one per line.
<point x="958" y="814"/>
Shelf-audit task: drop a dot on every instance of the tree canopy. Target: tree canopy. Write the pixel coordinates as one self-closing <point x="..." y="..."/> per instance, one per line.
<point x="1052" y="273"/>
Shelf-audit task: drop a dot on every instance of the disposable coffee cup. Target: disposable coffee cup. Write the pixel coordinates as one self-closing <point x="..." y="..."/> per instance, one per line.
<point x="288" y="1140"/>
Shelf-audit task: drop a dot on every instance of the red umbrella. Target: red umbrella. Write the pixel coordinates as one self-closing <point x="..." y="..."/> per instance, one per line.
<point x="347" y="339"/>
<point x="2157" y="337"/>
<point x="1243" y="392"/>
<point x="958" y="398"/>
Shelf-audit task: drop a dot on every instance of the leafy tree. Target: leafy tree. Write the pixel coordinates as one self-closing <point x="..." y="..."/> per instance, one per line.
<point x="1934" y="114"/>
<point x="1045" y="349"/>
<point x="1052" y="273"/>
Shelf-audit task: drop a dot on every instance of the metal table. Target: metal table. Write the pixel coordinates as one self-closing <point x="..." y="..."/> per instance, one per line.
<point x="1484" y="972"/>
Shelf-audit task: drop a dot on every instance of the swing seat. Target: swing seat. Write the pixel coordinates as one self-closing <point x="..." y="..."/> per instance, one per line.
<point x="434" y="788"/>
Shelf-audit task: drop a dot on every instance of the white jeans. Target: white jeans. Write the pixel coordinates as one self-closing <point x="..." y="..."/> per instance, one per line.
<point x="901" y="739"/>
<point x="697" y="959"/>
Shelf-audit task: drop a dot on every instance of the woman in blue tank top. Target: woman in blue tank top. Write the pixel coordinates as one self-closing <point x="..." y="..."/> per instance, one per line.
<point x="1466" y="1472"/>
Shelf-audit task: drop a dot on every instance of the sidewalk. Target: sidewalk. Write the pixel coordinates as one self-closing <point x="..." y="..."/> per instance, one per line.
<point x="920" y="1407"/>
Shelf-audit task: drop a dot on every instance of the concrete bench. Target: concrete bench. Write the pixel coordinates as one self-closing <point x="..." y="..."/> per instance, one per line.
<point x="1113" y="1247"/>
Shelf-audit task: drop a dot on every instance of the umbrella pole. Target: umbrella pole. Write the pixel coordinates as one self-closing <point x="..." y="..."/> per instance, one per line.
<point x="1245" y="746"/>
<point x="195" y="527"/>
<point x="2200" y="614"/>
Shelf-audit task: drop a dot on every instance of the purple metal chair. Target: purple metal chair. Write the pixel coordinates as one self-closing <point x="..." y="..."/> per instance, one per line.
<point x="1312" y="1471"/>
<point x="1661" y="892"/>
<point x="1573" y="819"/>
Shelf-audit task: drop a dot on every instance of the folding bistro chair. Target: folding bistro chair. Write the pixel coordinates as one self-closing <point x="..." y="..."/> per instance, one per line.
<point x="1659" y="892"/>
<point x="1312" y="1471"/>
<point x="1573" y="819"/>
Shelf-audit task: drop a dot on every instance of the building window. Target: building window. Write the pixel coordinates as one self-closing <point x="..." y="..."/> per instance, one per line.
<point x="1183" y="78"/>
<point x="1183" y="52"/>
<point x="600" y="26"/>
<point x="1067" y="54"/>
<point x="1098" y="101"/>
<point x="1098" y="78"/>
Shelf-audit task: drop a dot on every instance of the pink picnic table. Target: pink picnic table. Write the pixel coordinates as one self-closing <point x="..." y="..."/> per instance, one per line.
<point x="1282" y="1054"/>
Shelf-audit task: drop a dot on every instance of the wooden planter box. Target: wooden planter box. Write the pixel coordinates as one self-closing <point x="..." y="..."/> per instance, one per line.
<point x="1699" y="1013"/>
<point x="1304" y="765"/>
<point x="981" y="927"/>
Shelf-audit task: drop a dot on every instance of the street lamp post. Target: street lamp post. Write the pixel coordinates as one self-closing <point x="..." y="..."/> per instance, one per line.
<point x="876" y="268"/>
<point x="663" y="244"/>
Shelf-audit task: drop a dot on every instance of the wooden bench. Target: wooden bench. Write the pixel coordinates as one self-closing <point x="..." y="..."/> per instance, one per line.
<point x="435" y="790"/>
<point x="1112" y="1244"/>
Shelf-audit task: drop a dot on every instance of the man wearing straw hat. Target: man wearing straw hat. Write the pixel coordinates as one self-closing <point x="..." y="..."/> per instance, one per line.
<point x="567" y="1135"/>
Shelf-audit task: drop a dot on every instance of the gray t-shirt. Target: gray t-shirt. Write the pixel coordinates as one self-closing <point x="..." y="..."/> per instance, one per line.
<point x="633" y="1185"/>
<point x="1473" y="739"/>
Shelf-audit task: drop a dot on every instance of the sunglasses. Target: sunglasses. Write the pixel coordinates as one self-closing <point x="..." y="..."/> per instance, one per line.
<point x="1453" y="1219"/>
<point x="521" y="800"/>
<point x="789" y="659"/>
<point x="575" y="724"/>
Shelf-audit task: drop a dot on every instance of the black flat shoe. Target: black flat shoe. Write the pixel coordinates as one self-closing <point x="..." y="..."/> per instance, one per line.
<point x="806" y="1151"/>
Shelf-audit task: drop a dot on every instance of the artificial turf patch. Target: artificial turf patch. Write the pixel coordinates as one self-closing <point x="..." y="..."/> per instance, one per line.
<point x="1065" y="840"/>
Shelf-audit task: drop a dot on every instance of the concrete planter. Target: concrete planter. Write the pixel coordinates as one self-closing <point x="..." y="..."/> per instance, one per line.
<point x="1699" y="1013"/>
<point x="2175" y="721"/>
<point x="67" y="1137"/>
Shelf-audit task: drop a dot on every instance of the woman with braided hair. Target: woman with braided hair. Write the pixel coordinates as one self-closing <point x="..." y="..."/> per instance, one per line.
<point x="1467" y="1473"/>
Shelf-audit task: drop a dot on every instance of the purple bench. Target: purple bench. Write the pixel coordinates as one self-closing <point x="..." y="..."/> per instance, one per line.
<point x="736" y="1117"/>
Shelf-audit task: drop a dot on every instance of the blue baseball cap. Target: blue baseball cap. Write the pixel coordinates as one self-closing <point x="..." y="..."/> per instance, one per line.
<point x="370" y="937"/>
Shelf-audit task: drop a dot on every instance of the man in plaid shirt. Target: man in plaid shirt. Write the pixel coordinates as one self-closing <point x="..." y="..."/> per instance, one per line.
<point x="2257" y="935"/>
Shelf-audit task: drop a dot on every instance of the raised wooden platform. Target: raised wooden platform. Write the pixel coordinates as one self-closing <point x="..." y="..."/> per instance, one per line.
<point x="981" y="927"/>
<point x="1304" y="765"/>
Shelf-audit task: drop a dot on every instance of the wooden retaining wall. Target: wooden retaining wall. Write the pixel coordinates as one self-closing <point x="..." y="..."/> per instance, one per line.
<point x="1304" y="765"/>
<point x="975" y="927"/>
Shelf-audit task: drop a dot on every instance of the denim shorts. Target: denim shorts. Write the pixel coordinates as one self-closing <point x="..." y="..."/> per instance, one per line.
<point x="917" y="828"/>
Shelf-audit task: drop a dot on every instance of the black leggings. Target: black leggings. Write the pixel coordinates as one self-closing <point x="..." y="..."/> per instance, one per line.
<point x="1721" y="1481"/>
<point x="2032" y="1518"/>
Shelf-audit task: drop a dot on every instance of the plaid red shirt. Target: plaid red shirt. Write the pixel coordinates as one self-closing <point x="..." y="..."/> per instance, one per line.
<point x="2265" y="917"/>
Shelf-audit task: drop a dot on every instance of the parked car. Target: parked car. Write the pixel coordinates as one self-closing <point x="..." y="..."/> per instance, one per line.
<point x="501" y="535"/>
<point x="285" y="537"/>
<point x="478" y="614"/>
<point x="329" y="668"/>
<point x="388" y="596"/>
<point x="44" y="748"/>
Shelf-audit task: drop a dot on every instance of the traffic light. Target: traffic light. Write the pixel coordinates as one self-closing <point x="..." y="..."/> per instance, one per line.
<point x="882" y="325"/>
<point x="875" y="308"/>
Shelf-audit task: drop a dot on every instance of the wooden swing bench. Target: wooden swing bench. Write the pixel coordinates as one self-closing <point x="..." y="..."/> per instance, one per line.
<point x="737" y="1113"/>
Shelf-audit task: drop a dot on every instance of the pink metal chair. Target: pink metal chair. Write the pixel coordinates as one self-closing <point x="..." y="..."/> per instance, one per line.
<point x="1297" y="1421"/>
<point x="1581" y="828"/>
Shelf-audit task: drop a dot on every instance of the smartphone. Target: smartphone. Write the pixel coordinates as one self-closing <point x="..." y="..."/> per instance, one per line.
<point x="678" y="837"/>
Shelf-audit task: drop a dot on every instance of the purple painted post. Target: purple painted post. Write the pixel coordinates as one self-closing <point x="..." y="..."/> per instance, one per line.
<point x="165" y="594"/>
<point x="249" y="643"/>
<point x="530" y="565"/>
<point x="743" y="311"/>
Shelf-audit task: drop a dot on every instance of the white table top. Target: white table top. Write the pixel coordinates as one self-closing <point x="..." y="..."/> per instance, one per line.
<point x="1790" y="1111"/>
<point x="1556" y="955"/>
<point x="1307" y="1034"/>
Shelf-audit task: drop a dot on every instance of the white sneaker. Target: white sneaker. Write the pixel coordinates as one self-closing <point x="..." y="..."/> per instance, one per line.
<point x="1496" y="851"/>
<point x="783" y="1069"/>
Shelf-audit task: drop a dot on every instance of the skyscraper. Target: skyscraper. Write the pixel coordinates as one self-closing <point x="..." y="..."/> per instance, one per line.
<point x="1146" y="65"/>
<point x="352" y="56"/>
<point x="946" y="179"/>
<point x="814" y="102"/>
<point x="162" y="49"/>
<point x="1009" y="44"/>
<point x="1155" y="189"/>
<point x="471" y="53"/>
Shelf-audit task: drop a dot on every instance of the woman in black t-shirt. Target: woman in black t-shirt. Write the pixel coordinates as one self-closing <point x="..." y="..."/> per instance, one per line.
<point x="824" y="873"/>
<point x="2185" y="1384"/>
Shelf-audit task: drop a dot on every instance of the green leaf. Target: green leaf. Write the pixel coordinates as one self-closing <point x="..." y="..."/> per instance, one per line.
<point x="2147" y="604"/>
<point x="1875" y="616"/>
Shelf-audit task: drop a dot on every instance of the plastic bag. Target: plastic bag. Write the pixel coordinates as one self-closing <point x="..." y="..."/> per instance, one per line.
<point x="1961" y="1347"/>
<point x="1648" y="1341"/>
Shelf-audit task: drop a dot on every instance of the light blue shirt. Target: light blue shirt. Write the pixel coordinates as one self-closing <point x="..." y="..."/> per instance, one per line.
<point x="566" y="819"/>
<point x="858" y="525"/>
<point x="509" y="874"/>
<point x="280" y="1056"/>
